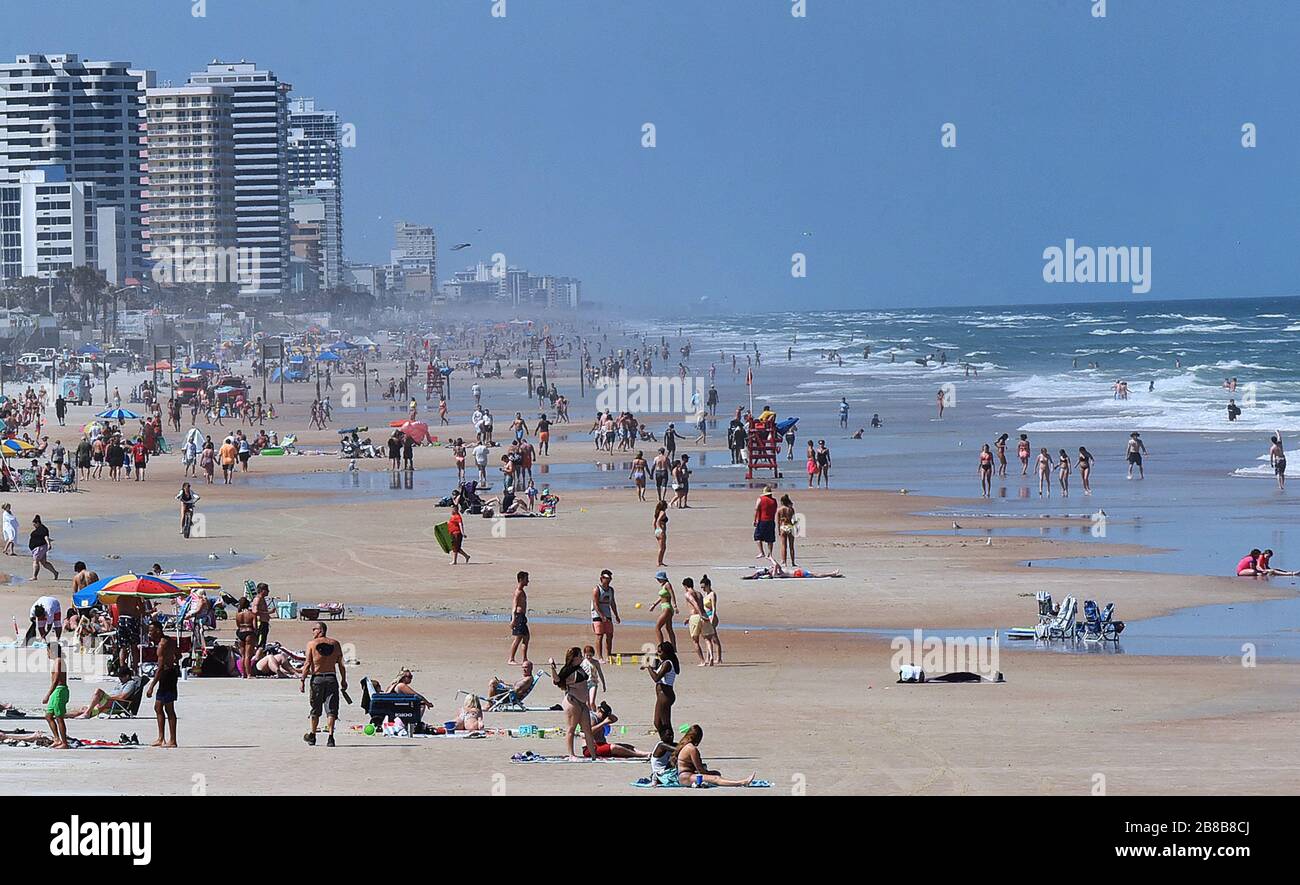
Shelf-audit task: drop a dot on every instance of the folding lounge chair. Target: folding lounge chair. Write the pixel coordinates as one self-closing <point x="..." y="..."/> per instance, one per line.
<point x="509" y="702"/>
<point x="1063" y="627"/>
<point x="1100" y="625"/>
<point x="131" y="706"/>
<point x="1046" y="611"/>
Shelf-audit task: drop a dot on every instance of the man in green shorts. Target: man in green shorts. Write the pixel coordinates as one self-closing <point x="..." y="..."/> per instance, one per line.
<point x="56" y="699"/>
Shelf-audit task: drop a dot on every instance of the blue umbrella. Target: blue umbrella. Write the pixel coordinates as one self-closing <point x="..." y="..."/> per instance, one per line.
<point x="118" y="415"/>
<point x="205" y="366"/>
<point x="329" y="357"/>
<point x="90" y="348"/>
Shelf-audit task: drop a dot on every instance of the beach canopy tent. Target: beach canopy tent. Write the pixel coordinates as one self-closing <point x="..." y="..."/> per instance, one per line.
<point x="205" y="366"/>
<point x="329" y="356"/>
<point x="118" y="415"/>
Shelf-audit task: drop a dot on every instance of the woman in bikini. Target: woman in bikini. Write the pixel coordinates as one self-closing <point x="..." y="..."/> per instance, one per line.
<point x="246" y="636"/>
<point x="986" y="472"/>
<point x="660" y="524"/>
<point x="1022" y="452"/>
<point x="711" y="612"/>
<point x="691" y="770"/>
<point x="663" y="673"/>
<point x="785" y="523"/>
<point x="667" y="603"/>
<point x="1063" y="472"/>
<point x="1085" y="469"/>
<point x="639" y="470"/>
<point x="1001" y="447"/>
<point x="573" y="679"/>
<point x="813" y="470"/>
<point x="458" y="452"/>
<point x="1043" y="468"/>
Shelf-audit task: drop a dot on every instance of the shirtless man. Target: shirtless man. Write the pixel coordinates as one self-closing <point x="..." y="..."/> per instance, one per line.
<point x="1136" y="449"/>
<point x="130" y="615"/>
<point x="519" y="618"/>
<point x="56" y="699"/>
<point x="164" y="679"/>
<point x="262" y="612"/>
<point x="520" y="689"/>
<point x="324" y="655"/>
<point x="1277" y="458"/>
<point x="83" y="578"/>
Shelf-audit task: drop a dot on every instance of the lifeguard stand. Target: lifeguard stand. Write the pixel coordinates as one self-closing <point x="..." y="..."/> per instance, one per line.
<point x="763" y="446"/>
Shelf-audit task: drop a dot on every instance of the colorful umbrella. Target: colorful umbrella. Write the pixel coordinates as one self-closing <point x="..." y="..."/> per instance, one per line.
<point x="191" y="582"/>
<point x="137" y="586"/>
<point x="205" y="366"/>
<point x="88" y="428"/>
<point x="416" y="430"/>
<point x="118" y="415"/>
<point x="16" y="446"/>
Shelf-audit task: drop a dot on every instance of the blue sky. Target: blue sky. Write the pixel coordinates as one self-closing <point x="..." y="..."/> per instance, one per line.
<point x="1116" y="132"/>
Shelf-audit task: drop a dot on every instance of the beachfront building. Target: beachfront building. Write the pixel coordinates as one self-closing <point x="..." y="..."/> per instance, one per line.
<point x="316" y="171"/>
<point x="515" y="287"/>
<point x="86" y="116"/>
<point x="259" y="114"/>
<point x="47" y="225"/>
<point x="191" y="190"/>
<point x="319" y="207"/>
<point x="415" y="254"/>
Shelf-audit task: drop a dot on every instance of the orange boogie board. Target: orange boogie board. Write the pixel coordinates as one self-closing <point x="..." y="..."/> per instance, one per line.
<point x="442" y="531"/>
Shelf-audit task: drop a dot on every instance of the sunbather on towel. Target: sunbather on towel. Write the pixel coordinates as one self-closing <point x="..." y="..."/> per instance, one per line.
<point x="774" y="570"/>
<point x="519" y="690"/>
<point x="471" y="714"/>
<point x="691" y="770"/>
<point x="275" y="662"/>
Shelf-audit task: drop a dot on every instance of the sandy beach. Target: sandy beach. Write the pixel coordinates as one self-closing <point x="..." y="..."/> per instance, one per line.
<point x="804" y="698"/>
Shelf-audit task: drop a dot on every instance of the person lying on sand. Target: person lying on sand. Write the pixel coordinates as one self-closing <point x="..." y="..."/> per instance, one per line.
<point x="276" y="661"/>
<point x="774" y="570"/>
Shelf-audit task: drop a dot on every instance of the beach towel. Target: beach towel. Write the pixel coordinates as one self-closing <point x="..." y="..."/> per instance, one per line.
<point x="530" y="756"/>
<point x="645" y="782"/>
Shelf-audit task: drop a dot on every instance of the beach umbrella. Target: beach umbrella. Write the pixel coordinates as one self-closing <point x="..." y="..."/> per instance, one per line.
<point x="90" y="348"/>
<point x="89" y="428"/>
<point x="16" y="446"/>
<point x="161" y="366"/>
<point x="205" y="366"/>
<point x="118" y="415"/>
<point x="150" y="587"/>
<point x="191" y="581"/>
<point x="329" y="356"/>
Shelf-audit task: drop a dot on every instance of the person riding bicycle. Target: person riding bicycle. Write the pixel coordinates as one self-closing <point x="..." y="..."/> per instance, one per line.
<point x="188" y="498"/>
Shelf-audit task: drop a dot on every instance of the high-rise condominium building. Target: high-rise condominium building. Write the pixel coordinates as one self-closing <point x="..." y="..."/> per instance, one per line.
<point x="86" y="116"/>
<point x="316" y="173"/>
<point x="191" y="195"/>
<point x="259" y="114"/>
<point x="47" y="224"/>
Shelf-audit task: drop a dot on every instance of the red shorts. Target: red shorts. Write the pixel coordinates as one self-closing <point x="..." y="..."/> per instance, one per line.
<point x="603" y="627"/>
<point x="603" y="751"/>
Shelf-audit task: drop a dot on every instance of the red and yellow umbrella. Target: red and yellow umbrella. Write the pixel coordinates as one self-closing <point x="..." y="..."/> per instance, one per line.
<point x="137" y="586"/>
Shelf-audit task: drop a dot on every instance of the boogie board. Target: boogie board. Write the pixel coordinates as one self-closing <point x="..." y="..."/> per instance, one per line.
<point x="273" y="450"/>
<point x="442" y="532"/>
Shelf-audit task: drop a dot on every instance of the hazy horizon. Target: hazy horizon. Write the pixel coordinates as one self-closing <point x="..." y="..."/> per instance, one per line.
<point x="777" y="134"/>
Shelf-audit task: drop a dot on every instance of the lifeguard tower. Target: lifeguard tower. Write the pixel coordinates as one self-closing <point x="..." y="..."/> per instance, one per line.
<point x="763" y="443"/>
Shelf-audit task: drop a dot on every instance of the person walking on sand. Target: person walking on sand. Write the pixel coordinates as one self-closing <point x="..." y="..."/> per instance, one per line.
<point x="1085" y="469"/>
<point x="1136" y="450"/>
<point x="1276" y="457"/>
<point x="660" y="523"/>
<point x="1043" y="470"/>
<point x="324" y="656"/>
<point x="456" y="528"/>
<point x="667" y="605"/>
<point x="165" y="678"/>
<point x="519" y="632"/>
<point x="638" y="475"/>
<point x="56" y="699"/>
<point x="604" y="615"/>
<point x="40" y="543"/>
<point x="10" y="528"/>
<point x="986" y="472"/>
<point x="1063" y="471"/>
